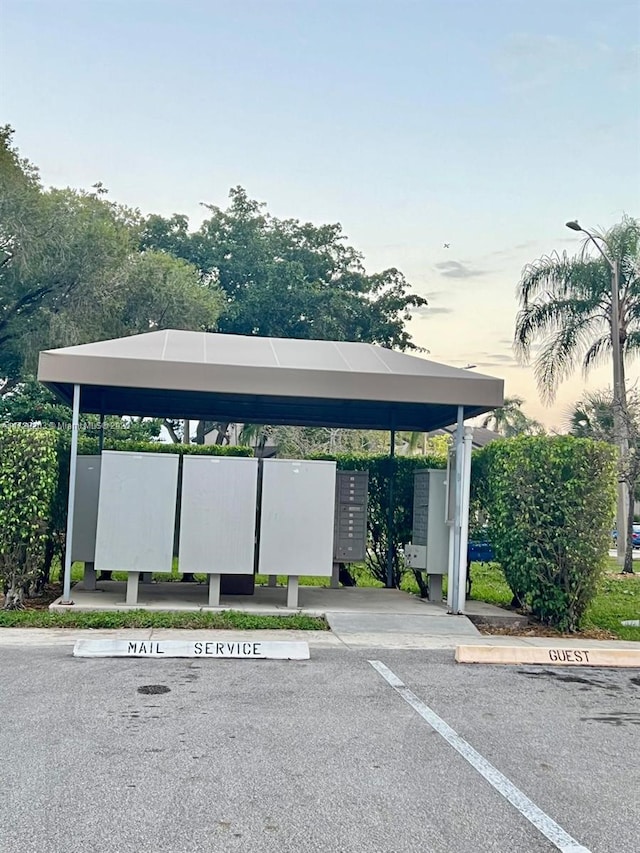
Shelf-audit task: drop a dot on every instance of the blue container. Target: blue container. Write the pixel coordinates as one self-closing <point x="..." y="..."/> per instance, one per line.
<point x="480" y="552"/>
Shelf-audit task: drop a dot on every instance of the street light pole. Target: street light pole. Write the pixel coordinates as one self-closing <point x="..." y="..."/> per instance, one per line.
<point x="619" y="390"/>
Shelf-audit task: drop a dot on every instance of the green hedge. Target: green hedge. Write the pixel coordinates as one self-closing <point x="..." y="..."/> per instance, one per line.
<point x="380" y="468"/>
<point x="28" y="486"/>
<point x="548" y="504"/>
<point x="89" y="444"/>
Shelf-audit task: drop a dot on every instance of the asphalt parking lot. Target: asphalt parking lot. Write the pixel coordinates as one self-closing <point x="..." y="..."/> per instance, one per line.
<point x="321" y="755"/>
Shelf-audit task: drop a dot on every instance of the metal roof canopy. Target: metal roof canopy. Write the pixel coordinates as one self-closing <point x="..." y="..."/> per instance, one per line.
<point x="206" y="376"/>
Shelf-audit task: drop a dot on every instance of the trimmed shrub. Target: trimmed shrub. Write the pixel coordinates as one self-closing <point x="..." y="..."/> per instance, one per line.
<point x="381" y="468"/>
<point x="548" y="504"/>
<point x="28" y="485"/>
<point x="89" y="444"/>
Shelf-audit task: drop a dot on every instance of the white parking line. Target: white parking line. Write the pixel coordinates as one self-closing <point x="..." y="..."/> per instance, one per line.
<point x="548" y="827"/>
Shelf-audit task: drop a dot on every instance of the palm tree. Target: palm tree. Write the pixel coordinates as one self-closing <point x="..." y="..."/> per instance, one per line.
<point x="566" y="307"/>
<point x="592" y="417"/>
<point x="509" y="419"/>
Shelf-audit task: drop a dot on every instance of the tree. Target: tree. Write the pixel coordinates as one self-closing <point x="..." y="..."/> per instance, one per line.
<point x="593" y="417"/>
<point x="71" y="271"/>
<point x="32" y="404"/>
<point x="300" y="442"/>
<point x="285" y="278"/>
<point x="509" y="419"/>
<point x="566" y="306"/>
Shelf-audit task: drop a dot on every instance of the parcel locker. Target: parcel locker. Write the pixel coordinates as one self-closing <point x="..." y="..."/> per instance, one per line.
<point x="297" y="517"/>
<point x="350" y="534"/>
<point x="428" y="550"/>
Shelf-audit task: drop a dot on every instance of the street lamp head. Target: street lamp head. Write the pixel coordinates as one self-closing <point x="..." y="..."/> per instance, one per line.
<point x="574" y="225"/>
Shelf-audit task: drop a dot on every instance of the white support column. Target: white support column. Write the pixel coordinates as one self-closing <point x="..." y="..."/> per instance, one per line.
<point x="292" y="591"/>
<point x="214" y="590"/>
<point x="454" y="596"/>
<point x="133" y="579"/>
<point x="335" y="576"/>
<point x="464" y="529"/>
<point x="75" y="419"/>
<point x="450" y="568"/>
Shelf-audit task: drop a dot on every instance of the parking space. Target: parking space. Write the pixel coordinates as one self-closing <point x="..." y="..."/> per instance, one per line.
<point x="311" y="756"/>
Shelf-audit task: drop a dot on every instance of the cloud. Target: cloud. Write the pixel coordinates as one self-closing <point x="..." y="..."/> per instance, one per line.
<point x="454" y="269"/>
<point x="499" y="356"/>
<point x="530" y="60"/>
<point x="510" y="364"/>
<point x="428" y="311"/>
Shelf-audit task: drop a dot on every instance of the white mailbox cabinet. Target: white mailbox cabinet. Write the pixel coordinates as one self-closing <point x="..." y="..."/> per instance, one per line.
<point x="297" y="520"/>
<point x="218" y="517"/>
<point x="136" y="514"/>
<point x="428" y="550"/>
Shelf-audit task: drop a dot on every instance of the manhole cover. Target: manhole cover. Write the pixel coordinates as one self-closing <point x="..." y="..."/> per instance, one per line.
<point x="154" y="688"/>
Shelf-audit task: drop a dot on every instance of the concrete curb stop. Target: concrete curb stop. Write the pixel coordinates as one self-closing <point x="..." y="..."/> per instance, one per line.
<point x="519" y="655"/>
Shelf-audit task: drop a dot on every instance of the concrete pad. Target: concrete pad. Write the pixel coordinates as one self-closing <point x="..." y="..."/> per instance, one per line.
<point x="384" y="623"/>
<point x="483" y="613"/>
<point x="312" y="600"/>
<point x="434" y="628"/>
<point x="549" y="655"/>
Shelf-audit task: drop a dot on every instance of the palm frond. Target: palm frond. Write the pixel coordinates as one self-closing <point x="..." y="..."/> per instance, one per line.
<point x="562" y="277"/>
<point x="596" y="353"/>
<point x="549" y="318"/>
<point x="557" y="360"/>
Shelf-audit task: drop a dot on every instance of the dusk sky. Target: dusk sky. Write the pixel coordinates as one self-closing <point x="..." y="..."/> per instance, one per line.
<point x="485" y="125"/>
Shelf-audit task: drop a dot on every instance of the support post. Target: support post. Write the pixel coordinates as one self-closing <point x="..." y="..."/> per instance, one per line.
<point x="457" y="519"/>
<point x="435" y="588"/>
<point x="89" y="577"/>
<point x="273" y="580"/>
<point x="390" y="531"/>
<point x="73" y="463"/>
<point x="464" y="527"/>
<point x="335" y="576"/>
<point x="449" y="517"/>
<point x="133" y="578"/>
<point x="292" y="591"/>
<point x="619" y="416"/>
<point x="214" y="590"/>
<point x="101" y="434"/>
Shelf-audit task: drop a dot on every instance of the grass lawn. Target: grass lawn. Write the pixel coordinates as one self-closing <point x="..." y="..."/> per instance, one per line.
<point x="618" y="598"/>
<point x="230" y="619"/>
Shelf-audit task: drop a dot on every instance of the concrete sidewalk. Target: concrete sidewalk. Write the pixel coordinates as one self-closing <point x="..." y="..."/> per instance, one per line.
<point x="392" y="640"/>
